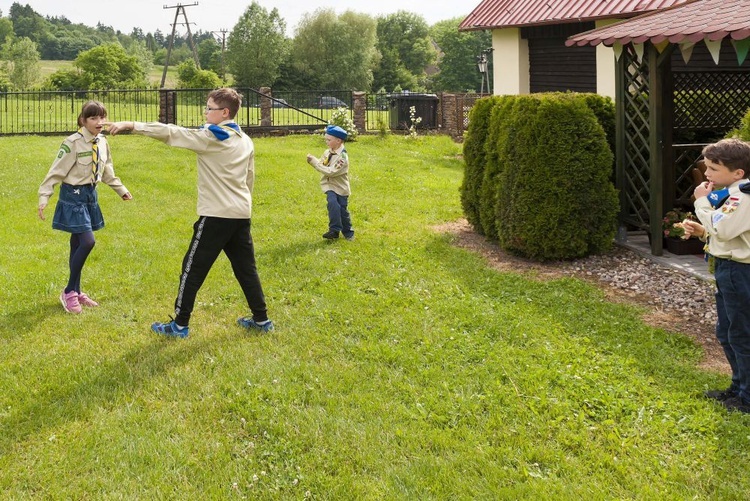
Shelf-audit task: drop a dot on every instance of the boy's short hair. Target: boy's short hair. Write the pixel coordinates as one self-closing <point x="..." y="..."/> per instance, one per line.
<point x="227" y="98"/>
<point x="91" y="109"/>
<point x="733" y="153"/>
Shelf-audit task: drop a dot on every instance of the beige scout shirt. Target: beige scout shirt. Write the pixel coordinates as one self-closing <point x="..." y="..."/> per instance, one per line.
<point x="73" y="165"/>
<point x="727" y="227"/>
<point x="226" y="169"/>
<point x="334" y="165"/>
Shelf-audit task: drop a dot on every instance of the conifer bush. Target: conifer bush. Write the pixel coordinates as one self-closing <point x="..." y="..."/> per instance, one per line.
<point x="500" y="153"/>
<point x="474" y="159"/>
<point x="555" y="198"/>
<point x="538" y="174"/>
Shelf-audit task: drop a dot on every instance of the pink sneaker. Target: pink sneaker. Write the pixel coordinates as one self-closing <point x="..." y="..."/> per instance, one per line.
<point x="70" y="301"/>
<point x="84" y="300"/>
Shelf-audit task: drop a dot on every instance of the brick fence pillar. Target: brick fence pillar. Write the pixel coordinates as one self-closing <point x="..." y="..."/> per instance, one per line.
<point x="265" y="107"/>
<point x="167" y="106"/>
<point x="449" y="114"/>
<point x="360" y="110"/>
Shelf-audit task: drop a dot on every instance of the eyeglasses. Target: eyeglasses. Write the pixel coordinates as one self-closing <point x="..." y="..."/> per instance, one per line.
<point x="207" y="109"/>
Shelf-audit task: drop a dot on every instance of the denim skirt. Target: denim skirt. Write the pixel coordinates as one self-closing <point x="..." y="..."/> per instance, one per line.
<point x="77" y="209"/>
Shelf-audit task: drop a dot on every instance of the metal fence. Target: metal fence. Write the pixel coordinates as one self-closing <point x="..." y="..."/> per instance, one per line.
<point x="56" y="112"/>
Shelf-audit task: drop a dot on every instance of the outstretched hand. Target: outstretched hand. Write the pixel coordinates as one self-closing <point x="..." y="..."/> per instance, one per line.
<point x="115" y="128"/>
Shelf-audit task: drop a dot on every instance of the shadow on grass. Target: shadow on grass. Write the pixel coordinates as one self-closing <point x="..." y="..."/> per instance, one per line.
<point x="27" y="320"/>
<point x="52" y="407"/>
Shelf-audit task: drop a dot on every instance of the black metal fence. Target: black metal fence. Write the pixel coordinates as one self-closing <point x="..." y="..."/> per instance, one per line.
<point x="56" y="112"/>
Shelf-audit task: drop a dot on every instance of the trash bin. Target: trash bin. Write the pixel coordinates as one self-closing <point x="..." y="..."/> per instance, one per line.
<point x="425" y="107"/>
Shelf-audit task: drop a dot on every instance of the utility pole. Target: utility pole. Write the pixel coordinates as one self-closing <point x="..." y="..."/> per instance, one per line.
<point x="180" y="9"/>
<point x="223" y="33"/>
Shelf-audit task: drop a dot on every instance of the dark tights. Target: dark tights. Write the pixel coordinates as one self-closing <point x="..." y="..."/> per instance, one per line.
<point x="80" y="248"/>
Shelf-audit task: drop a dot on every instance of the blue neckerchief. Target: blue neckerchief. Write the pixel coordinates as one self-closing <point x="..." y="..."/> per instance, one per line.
<point x="718" y="197"/>
<point x="745" y="188"/>
<point x="219" y="131"/>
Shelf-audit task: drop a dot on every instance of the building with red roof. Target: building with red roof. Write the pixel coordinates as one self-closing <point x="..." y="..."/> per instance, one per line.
<point x="528" y="42"/>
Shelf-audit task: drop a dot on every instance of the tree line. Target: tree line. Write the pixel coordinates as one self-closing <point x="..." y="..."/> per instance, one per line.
<point x="348" y="51"/>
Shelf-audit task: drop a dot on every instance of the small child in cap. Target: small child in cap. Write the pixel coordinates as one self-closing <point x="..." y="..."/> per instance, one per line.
<point x="334" y="166"/>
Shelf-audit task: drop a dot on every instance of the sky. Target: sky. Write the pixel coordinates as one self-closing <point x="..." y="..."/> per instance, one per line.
<point x="216" y="15"/>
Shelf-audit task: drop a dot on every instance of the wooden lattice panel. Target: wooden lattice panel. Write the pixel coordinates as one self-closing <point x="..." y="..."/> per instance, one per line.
<point x="686" y="159"/>
<point x="636" y="190"/>
<point x="714" y="100"/>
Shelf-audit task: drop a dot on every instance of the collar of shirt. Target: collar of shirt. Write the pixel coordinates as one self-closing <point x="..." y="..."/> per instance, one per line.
<point x="87" y="136"/>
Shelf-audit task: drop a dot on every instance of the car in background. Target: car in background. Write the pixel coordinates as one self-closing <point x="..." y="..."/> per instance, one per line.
<point x="330" y="102"/>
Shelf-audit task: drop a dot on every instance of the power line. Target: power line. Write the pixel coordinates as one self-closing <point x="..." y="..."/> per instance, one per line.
<point x="180" y="9"/>
<point x="223" y="33"/>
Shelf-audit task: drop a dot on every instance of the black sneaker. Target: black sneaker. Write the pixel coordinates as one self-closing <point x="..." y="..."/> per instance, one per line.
<point x="720" y="395"/>
<point x="737" y="404"/>
<point x="331" y="235"/>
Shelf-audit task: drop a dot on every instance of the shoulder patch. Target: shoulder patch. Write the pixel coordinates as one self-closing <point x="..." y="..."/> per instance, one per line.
<point x="65" y="147"/>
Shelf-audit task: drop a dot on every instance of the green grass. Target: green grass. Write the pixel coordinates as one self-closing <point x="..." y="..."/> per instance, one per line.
<point x="402" y="367"/>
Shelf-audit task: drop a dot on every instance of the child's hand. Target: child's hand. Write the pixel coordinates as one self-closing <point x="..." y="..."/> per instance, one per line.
<point x="127" y="196"/>
<point x="703" y="189"/>
<point x="115" y="128"/>
<point x="691" y="229"/>
<point x="310" y="158"/>
<point x="41" y="211"/>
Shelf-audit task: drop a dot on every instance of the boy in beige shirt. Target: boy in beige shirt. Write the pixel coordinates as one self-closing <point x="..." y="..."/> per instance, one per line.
<point x="226" y="170"/>
<point x="334" y="165"/>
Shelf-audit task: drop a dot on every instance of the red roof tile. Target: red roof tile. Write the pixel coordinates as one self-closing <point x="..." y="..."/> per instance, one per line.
<point x="515" y="13"/>
<point x="692" y="21"/>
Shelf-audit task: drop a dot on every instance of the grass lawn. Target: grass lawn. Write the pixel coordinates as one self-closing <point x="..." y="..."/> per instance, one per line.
<point x="402" y="367"/>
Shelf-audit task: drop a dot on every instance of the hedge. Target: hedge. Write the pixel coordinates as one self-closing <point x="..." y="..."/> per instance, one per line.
<point x="546" y="191"/>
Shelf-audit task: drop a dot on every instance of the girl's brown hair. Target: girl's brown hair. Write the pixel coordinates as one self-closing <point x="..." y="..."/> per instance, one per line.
<point x="91" y="109"/>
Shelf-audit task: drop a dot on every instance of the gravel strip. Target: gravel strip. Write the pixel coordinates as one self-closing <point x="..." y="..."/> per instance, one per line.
<point x="669" y="289"/>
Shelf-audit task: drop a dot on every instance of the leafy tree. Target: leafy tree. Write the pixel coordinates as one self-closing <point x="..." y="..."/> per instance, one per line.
<point x="403" y="40"/>
<point x="335" y="52"/>
<point x="21" y="62"/>
<point x="458" y="60"/>
<point x="178" y="55"/>
<point x="256" y="46"/>
<point x="209" y="54"/>
<point x="143" y="55"/>
<point x="6" y="29"/>
<point x="137" y="34"/>
<point x="27" y="23"/>
<point x="64" y="80"/>
<point x="190" y="77"/>
<point x="159" y="39"/>
<point x="108" y="66"/>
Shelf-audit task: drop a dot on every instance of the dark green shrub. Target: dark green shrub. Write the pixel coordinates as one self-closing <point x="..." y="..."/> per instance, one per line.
<point x="743" y="131"/>
<point x="474" y="159"/>
<point x="604" y="110"/>
<point x="554" y="196"/>
<point x="499" y="151"/>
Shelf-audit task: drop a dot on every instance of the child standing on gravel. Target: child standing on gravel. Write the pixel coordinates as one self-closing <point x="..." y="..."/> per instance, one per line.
<point x="726" y="225"/>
